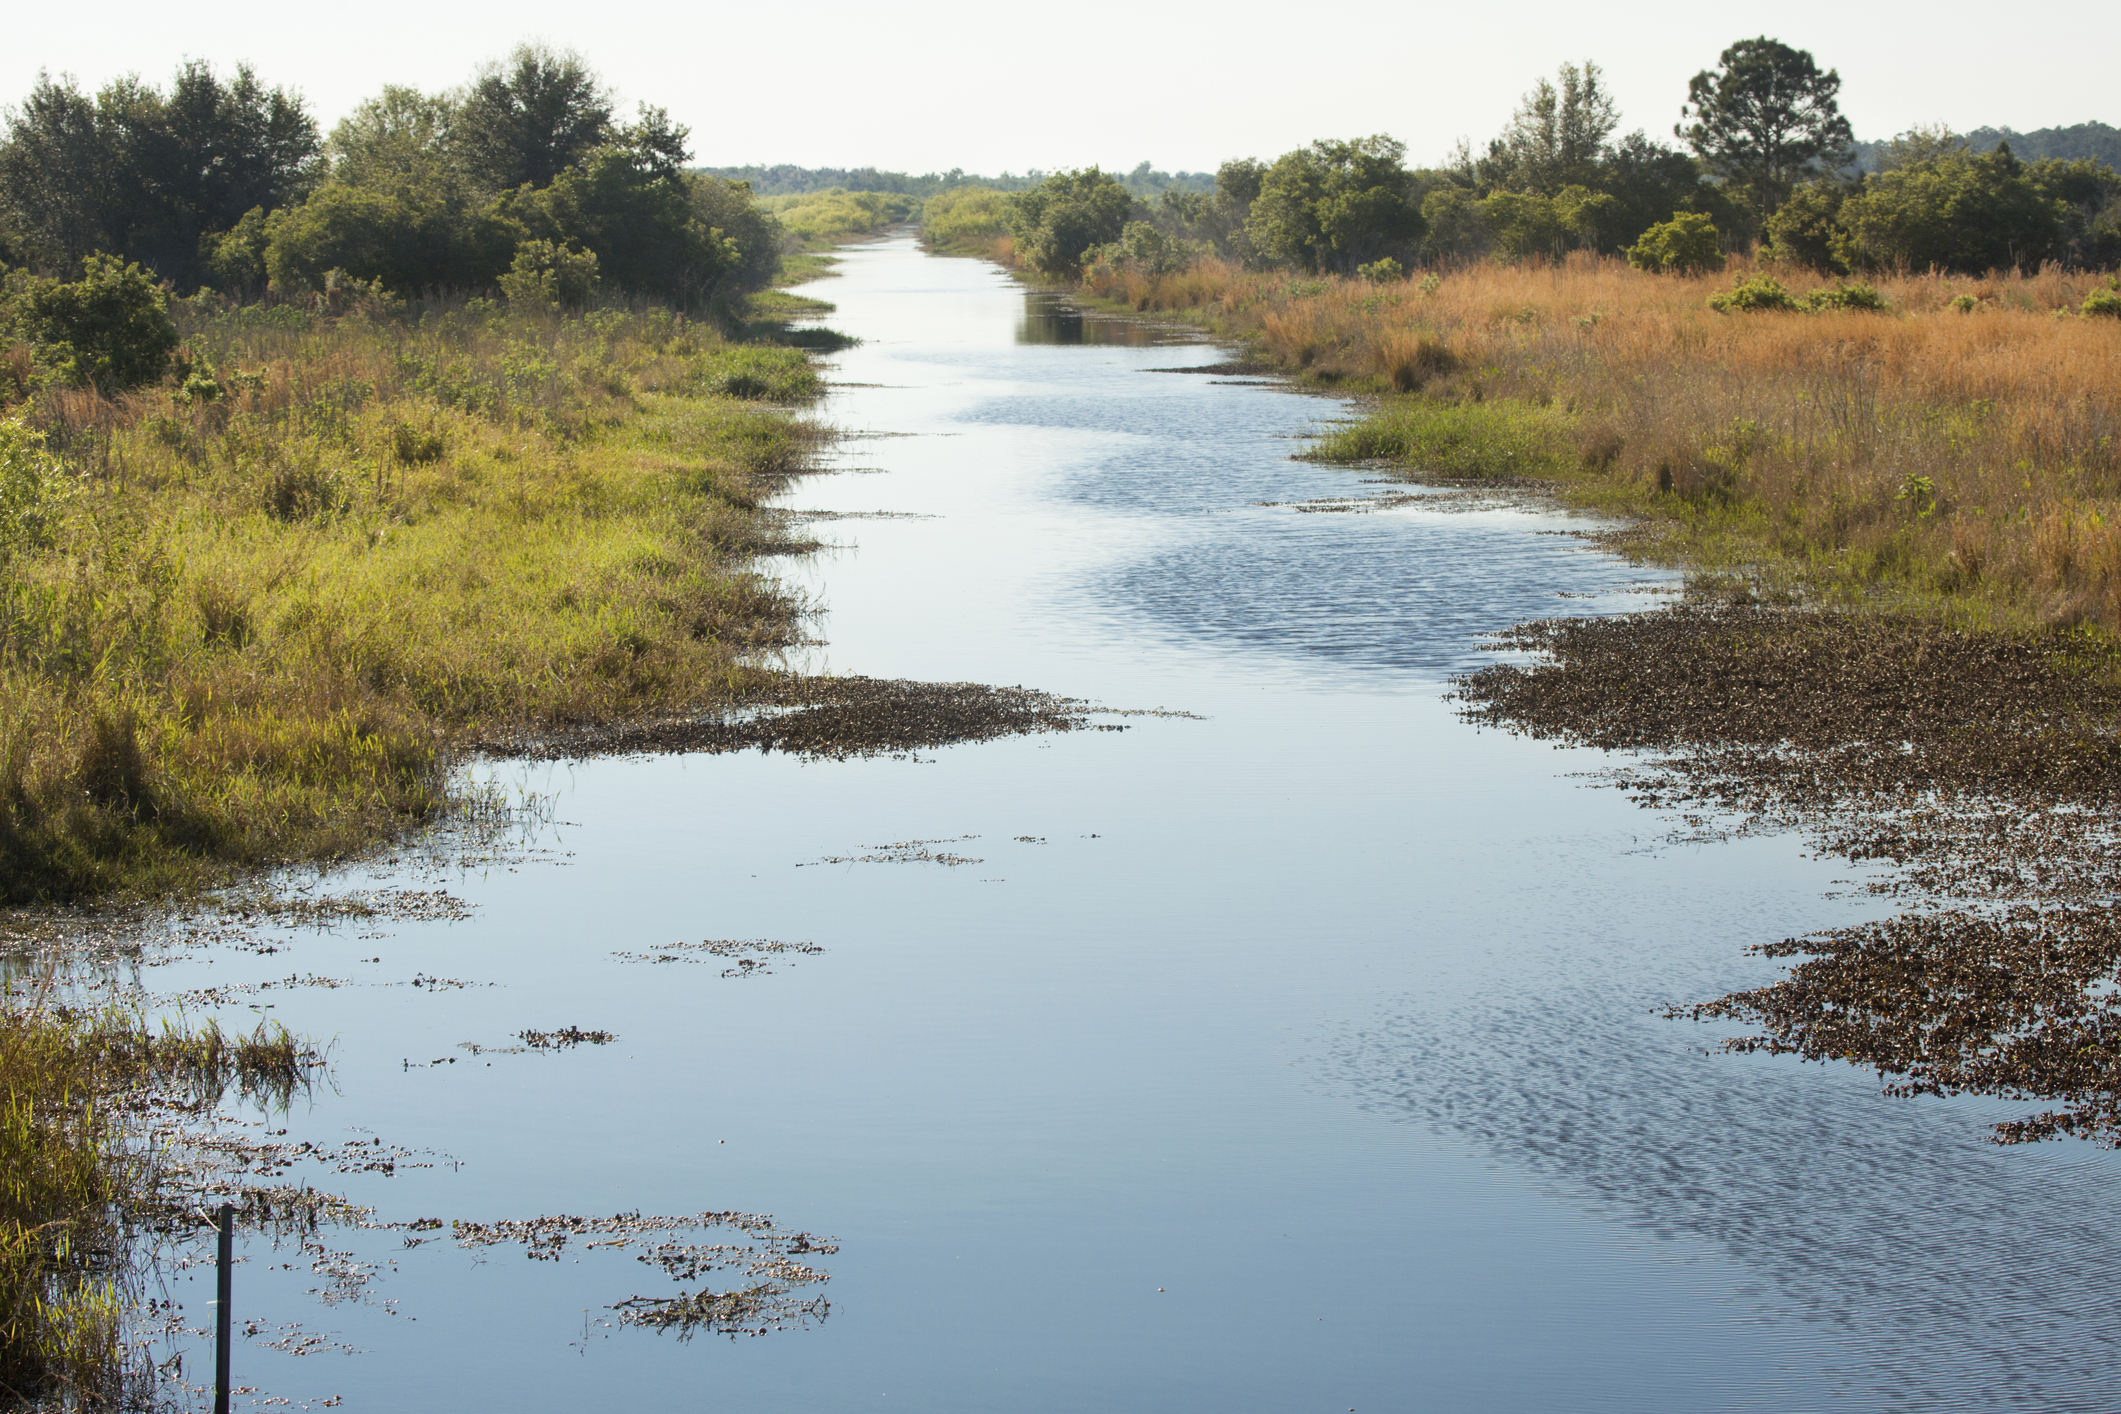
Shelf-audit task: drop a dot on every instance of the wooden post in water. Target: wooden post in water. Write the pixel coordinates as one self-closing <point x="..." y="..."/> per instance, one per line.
<point x="224" y="1282"/>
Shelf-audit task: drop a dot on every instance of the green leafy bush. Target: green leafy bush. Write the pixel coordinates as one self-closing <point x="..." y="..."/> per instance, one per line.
<point x="1965" y="304"/>
<point x="33" y="488"/>
<point x="110" y="328"/>
<point x="1059" y="222"/>
<point x="2103" y="303"/>
<point x="1144" y="248"/>
<point x="550" y="275"/>
<point x="1684" y="245"/>
<point x="1752" y="296"/>
<point x="1381" y="272"/>
<point x="1333" y="206"/>
<point x="1862" y="297"/>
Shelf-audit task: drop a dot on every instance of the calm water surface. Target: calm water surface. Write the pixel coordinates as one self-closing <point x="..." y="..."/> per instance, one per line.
<point x="1301" y="1058"/>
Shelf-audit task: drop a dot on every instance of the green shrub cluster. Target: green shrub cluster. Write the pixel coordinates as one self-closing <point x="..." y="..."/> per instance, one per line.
<point x="1940" y="205"/>
<point x="1763" y="293"/>
<point x="414" y="193"/>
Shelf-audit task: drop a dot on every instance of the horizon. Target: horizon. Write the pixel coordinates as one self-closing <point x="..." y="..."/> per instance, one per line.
<point x="928" y="95"/>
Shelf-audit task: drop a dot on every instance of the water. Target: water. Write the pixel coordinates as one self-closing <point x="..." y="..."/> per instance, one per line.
<point x="1305" y="1055"/>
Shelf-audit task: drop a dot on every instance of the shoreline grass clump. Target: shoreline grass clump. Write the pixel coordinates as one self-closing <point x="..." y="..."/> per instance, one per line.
<point x="247" y="612"/>
<point x="84" y="1181"/>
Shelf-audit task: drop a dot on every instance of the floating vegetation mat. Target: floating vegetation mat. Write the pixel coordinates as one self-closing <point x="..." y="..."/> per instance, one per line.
<point x="1982" y="769"/>
<point x="828" y="718"/>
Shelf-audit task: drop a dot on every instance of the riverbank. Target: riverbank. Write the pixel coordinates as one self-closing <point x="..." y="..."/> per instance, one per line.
<point x="251" y="617"/>
<point x="1899" y="524"/>
<point x="1954" y="453"/>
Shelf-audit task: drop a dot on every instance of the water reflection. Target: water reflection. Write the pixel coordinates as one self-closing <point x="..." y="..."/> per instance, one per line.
<point x="1048" y="318"/>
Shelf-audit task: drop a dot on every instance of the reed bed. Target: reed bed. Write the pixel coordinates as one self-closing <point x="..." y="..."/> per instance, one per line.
<point x="244" y="620"/>
<point x="81" y="1185"/>
<point x="1958" y="448"/>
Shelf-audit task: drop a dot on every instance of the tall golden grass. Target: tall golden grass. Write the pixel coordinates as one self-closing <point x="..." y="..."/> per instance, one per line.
<point x="1973" y="453"/>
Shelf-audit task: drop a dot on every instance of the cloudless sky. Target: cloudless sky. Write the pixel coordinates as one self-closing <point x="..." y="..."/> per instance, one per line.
<point x="927" y="85"/>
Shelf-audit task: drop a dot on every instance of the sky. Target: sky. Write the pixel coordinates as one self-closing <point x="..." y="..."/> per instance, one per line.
<point x="927" y="85"/>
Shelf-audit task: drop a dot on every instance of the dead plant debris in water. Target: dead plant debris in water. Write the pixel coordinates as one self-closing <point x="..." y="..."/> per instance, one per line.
<point x="737" y="952"/>
<point x="904" y="852"/>
<point x="827" y="718"/>
<point x="564" y="1038"/>
<point x="768" y="1297"/>
<point x="1982" y="769"/>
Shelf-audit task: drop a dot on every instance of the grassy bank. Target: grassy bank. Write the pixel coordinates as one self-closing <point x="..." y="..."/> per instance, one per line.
<point x="1960" y="448"/>
<point x="246" y="617"/>
<point x="85" y="1177"/>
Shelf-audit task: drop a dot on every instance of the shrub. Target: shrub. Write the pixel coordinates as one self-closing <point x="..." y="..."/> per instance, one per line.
<point x="1687" y="243"/>
<point x="111" y="328"/>
<point x="1752" y="296"/>
<point x="32" y="488"/>
<point x="548" y="275"/>
<point x="2104" y="303"/>
<point x="1064" y="218"/>
<point x="1144" y="248"/>
<point x="1335" y="205"/>
<point x="1846" y="297"/>
<point x="1965" y="304"/>
<point x="1380" y="272"/>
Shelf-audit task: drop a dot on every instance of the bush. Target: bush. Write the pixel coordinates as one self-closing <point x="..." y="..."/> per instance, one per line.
<point x="1686" y="244"/>
<point x="1965" y="304"/>
<point x="32" y="488"/>
<point x="1333" y="206"/>
<point x="1059" y="222"/>
<point x="1753" y="296"/>
<point x="1381" y="272"/>
<point x="2103" y="303"/>
<point x="111" y="328"/>
<point x="1144" y="248"/>
<point x="549" y="275"/>
<point x="1846" y="297"/>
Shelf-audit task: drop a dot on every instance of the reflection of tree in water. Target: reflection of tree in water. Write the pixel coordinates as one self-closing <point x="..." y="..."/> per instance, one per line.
<point x="1049" y="319"/>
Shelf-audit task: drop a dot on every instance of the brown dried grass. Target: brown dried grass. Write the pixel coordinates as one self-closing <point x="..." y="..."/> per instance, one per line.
<point x="1976" y="455"/>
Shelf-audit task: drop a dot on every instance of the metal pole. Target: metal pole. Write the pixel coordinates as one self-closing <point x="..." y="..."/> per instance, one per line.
<point x="224" y="1282"/>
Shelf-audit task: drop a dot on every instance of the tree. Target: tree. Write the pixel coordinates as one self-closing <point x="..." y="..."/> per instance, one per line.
<point x="1953" y="211"/>
<point x="1650" y="183"/>
<point x="1684" y="245"/>
<point x="1806" y="229"/>
<point x="60" y="184"/>
<point x="1336" y="205"/>
<point x="110" y="329"/>
<point x="1556" y="138"/>
<point x="1764" y="119"/>
<point x="530" y="119"/>
<point x="1057" y="222"/>
<point x="147" y="173"/>
<point x="401" y="135"/>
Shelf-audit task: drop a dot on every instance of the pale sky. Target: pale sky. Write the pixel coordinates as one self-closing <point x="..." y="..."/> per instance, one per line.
<point x="936" y="84"/>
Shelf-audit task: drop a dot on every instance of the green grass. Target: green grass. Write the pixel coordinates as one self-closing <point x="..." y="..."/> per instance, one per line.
<point x="839" y="215"/>
<point x="1488" y="439"/>
<point x="80" y="1178"/>
<point x="252" y="629"/>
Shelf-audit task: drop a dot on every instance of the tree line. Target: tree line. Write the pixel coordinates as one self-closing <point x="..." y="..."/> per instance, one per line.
<point x="1764" y="157"/>
<point x="526" y="176"/>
